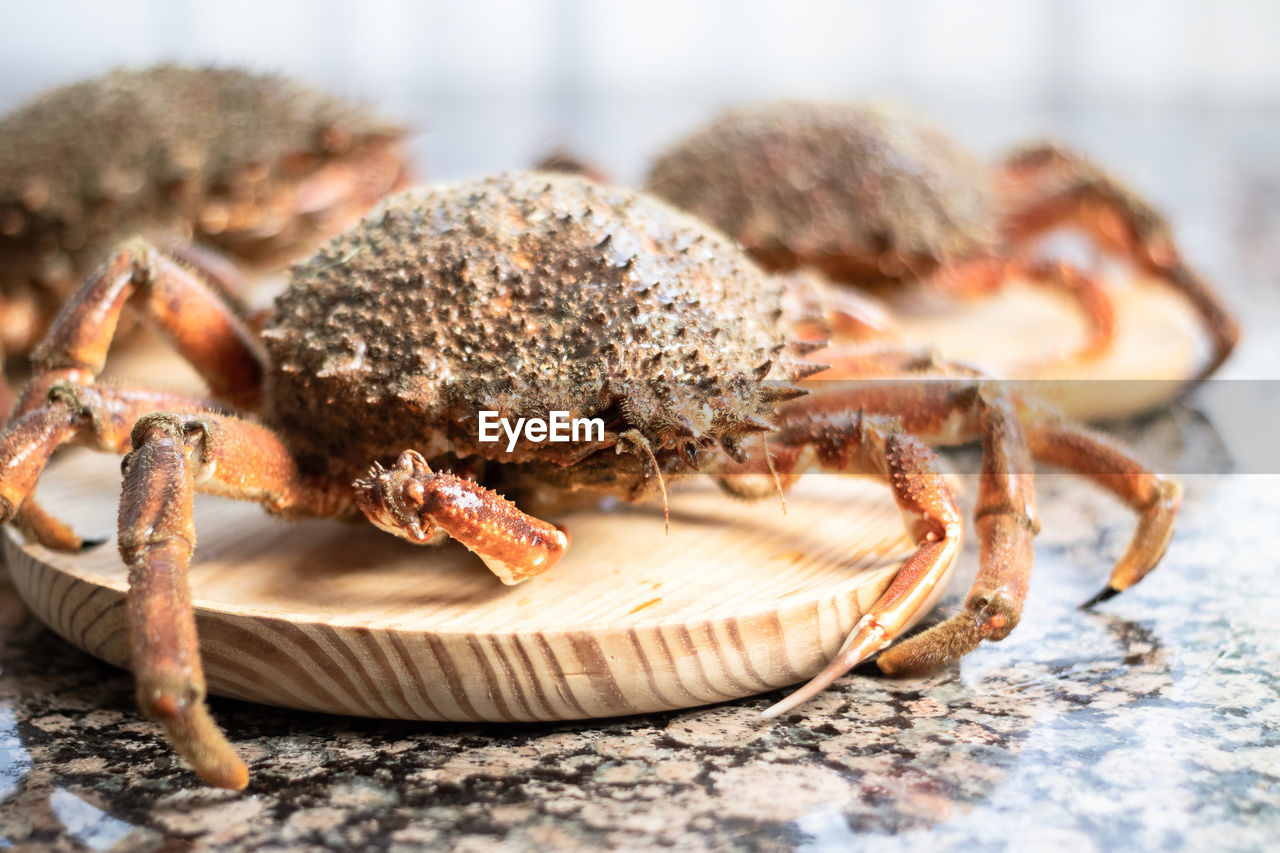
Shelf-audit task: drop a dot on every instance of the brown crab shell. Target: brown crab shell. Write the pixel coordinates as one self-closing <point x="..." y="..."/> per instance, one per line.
<point x="220" y="156"/>
<point x="863" y="193"/>
<point x="523" y="294"/>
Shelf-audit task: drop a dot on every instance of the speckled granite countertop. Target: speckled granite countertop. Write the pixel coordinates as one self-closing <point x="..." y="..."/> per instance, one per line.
<point x="1152" y="723"/>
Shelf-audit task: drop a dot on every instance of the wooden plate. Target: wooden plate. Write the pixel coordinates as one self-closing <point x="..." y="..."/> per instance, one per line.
<point x="1025" y="332"/>
<point x="738" y="599"/>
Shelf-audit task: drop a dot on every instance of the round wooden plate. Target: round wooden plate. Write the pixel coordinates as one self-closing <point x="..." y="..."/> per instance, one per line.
<point x="327" y="616"/>
<point x="1025" y="332"/>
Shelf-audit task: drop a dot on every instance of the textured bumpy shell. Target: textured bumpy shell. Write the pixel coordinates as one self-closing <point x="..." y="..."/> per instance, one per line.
<point x="523" y="293"/>
<point x="168" y="152"/>
<point x="858" y="191"/>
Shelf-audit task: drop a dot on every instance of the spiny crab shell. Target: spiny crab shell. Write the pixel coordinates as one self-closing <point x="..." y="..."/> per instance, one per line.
<point x="860" y="192"/>
<point x="254" y="165"/>
<point x="523" y="294"/>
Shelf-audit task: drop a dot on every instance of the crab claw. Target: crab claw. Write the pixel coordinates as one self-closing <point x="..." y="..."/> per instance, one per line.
<point x="393" y="498"/>
<point x="415" y="503"/>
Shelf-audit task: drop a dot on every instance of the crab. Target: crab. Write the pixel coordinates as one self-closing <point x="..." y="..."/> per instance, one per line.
<point x="523" y="294"/>
<point x="872" y="195"/>
<point x="210" y="163"/>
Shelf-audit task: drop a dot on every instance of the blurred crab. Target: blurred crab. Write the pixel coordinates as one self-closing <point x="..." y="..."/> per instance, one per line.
<point x="870" y="195"/>
<point x="251" y="166"/>
<point x="523" y="294"/>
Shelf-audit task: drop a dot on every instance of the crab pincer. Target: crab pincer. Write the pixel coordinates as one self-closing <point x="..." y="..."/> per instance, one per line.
<point x="411" y="501"/>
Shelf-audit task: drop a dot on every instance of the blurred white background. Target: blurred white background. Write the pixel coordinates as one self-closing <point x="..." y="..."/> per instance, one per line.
<point x="492" y="83"/>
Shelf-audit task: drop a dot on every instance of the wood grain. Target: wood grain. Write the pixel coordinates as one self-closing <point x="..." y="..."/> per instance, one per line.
<point x="737" y="600"/>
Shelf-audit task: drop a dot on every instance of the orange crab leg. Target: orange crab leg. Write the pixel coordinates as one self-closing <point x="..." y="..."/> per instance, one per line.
<point x="984" y="275"/>
<point x="412" y="502"/>
<point x="927" y="407"/>
<point x="1046" y="186"/>
<point x="1156" y="499"/>
<point x="156" y="543"/>
<point x="871" y="360"/>
<point x="867" y="444"/>
<point x="98" y="416"/>
<point x="175" y="456"/>
<point x="25" y="448"/>
<point x="1006" y="524"/>
<point x="201" y="326"/>
<point x="821" y="310"/>
<point x="219" y="271"/>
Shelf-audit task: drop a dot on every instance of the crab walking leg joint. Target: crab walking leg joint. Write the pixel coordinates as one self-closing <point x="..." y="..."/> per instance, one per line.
<point x="983" y="276"/>
<point x="73" y="353"/>
<point x="941" y="402"/>
<point x="172" y="458"/>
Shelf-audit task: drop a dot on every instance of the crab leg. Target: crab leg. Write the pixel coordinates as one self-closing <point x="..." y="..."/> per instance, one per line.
<point x="1006" y="523"/>
<point x="100" y="417"/>
<point x="927" y="407"/>
<point x="156" y="539"/>
<point x="219" y="271"/>
<point x="200" y="325"/>
<point x="981" y="276"/>
<point x="868" y="444"/>
<point x="1101" y="459"/>
<point x="197" y="322"/>
<point x="821" y="311"/>
<point x="1046" y="186"/>
<point x="175" y="456"/>
<point x="412" y="502"/>
<point x="246" y="461"/>
<point x="872" y="360"/>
